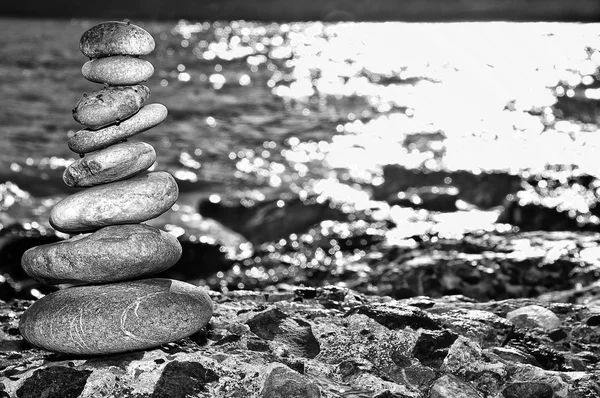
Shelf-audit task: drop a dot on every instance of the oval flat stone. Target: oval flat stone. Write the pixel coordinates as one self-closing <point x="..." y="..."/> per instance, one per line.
<point x="120" y="317"/>
<point x="111" y="254"/>
<point x="115" y="38"/>
<point x="134" y="200"/>
<point x="114" y="163"/>
<point x="110" y="105"/>
<point x="120" y="70"/>
<point x="86" y="140"/>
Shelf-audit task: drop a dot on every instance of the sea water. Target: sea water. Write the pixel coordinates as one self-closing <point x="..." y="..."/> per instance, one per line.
<point x="262" y="111"/>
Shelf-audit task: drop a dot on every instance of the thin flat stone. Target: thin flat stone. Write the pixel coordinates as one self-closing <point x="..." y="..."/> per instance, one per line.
<point x="116" y="38"/>
<point x="113" y="318"/>
<point x="114" y="163"/>
<point x="131" y="201"/>
<point x="110" y="105"/>
<point x="120" y="70"/>
<point x="111" y="254"/>
<point x="87" y="140"/>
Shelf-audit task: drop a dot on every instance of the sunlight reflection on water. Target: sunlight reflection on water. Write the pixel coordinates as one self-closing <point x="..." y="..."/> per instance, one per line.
<point x="262" y="110"/>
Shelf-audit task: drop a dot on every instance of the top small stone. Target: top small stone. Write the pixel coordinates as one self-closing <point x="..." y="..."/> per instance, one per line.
<point x="115" y="38"/>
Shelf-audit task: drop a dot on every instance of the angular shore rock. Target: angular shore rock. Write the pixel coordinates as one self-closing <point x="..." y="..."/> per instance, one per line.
<point x="115" y="318"/>
<point x="135" y="200"/>
<point x="114" y="163"/>
<point x="119" y="70"/>
<point x="110" y="105"/>
<point x="88" y="140"/>
<point x="116" y="38"/>
<point x="111" y="254"/>
<point x="269" y="220"/>
<point x="475" y="351"/>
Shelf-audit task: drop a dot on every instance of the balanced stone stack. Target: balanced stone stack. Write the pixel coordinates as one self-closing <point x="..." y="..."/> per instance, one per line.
<point x="111" y="309"/>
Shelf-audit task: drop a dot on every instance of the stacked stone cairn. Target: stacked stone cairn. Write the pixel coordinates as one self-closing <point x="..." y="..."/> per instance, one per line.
<point x="108" y="308"/>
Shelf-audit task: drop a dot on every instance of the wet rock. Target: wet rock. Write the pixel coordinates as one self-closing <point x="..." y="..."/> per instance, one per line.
<point x="430" y="198"/>
<point x="484" y="190"/>
<point x="268" y="221"/>
<point x="578" y="107"/>
<point x="182" y="379"/>
<point x="199" y="260"/>
<point x="558" y="198"/>
<point x="55" y="382"/>
<point x="283" y="382"/>
<point x="484" y="266"/>
<point x="14" y="241"/>
<point x="536" y="217"/>
<point x="281" y="262"/>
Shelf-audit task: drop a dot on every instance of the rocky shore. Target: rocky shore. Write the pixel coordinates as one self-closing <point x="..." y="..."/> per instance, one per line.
<point x="334" y="342"/>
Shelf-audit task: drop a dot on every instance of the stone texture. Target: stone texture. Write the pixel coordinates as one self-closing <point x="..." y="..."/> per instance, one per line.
<point x="87" y="140"/>
<point x="137" y="199"/>
<point x="118" y="70"/>
<point x="293" y="334"/>
<point x="183" y="379"/>
<point x="358" y="355"/>
<point x="110" y="105"/>
<point x="55" y="382"/>
<point x="111" y="254"/>
<point x="114" y="163"/>
<point x="283" y="382"/>
<point x="534" y="316"/>
<point x="269" y="221"/>
<point x="118" y="317"/>
<point x="452" y="387"/>
<point x="115" y="38"/>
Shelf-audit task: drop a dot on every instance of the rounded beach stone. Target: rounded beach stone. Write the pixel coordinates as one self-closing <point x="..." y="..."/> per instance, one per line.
<point x="86" y="140"/>
<point x="134" y="200"/>
<point x="110" y="105"/>
<point x="114" y="163"/>
<point x="115" y="38"/>
<point x="113" y="318"/>
<point x="111" y="254"/>
<point x="120" y="70"/>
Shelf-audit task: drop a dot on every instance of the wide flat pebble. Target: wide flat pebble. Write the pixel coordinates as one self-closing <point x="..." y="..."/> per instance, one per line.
<point x="114" y="163"/>
<point x="110" y="105"/>
<point x="115" y="38"/>
<point x="119" y="70"/>
<point x="113" y="253"/>
<point x="112" y="318"/>
<point x="87" y="140"/>
<point x="131" y="201"/>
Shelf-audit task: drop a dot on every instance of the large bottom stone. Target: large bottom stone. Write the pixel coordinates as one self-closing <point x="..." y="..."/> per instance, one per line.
<point x="105" y="319"/>
<point x="111" y="254"/>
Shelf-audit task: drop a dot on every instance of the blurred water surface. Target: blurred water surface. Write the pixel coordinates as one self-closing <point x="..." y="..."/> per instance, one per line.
<point x="262" y="111"/>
